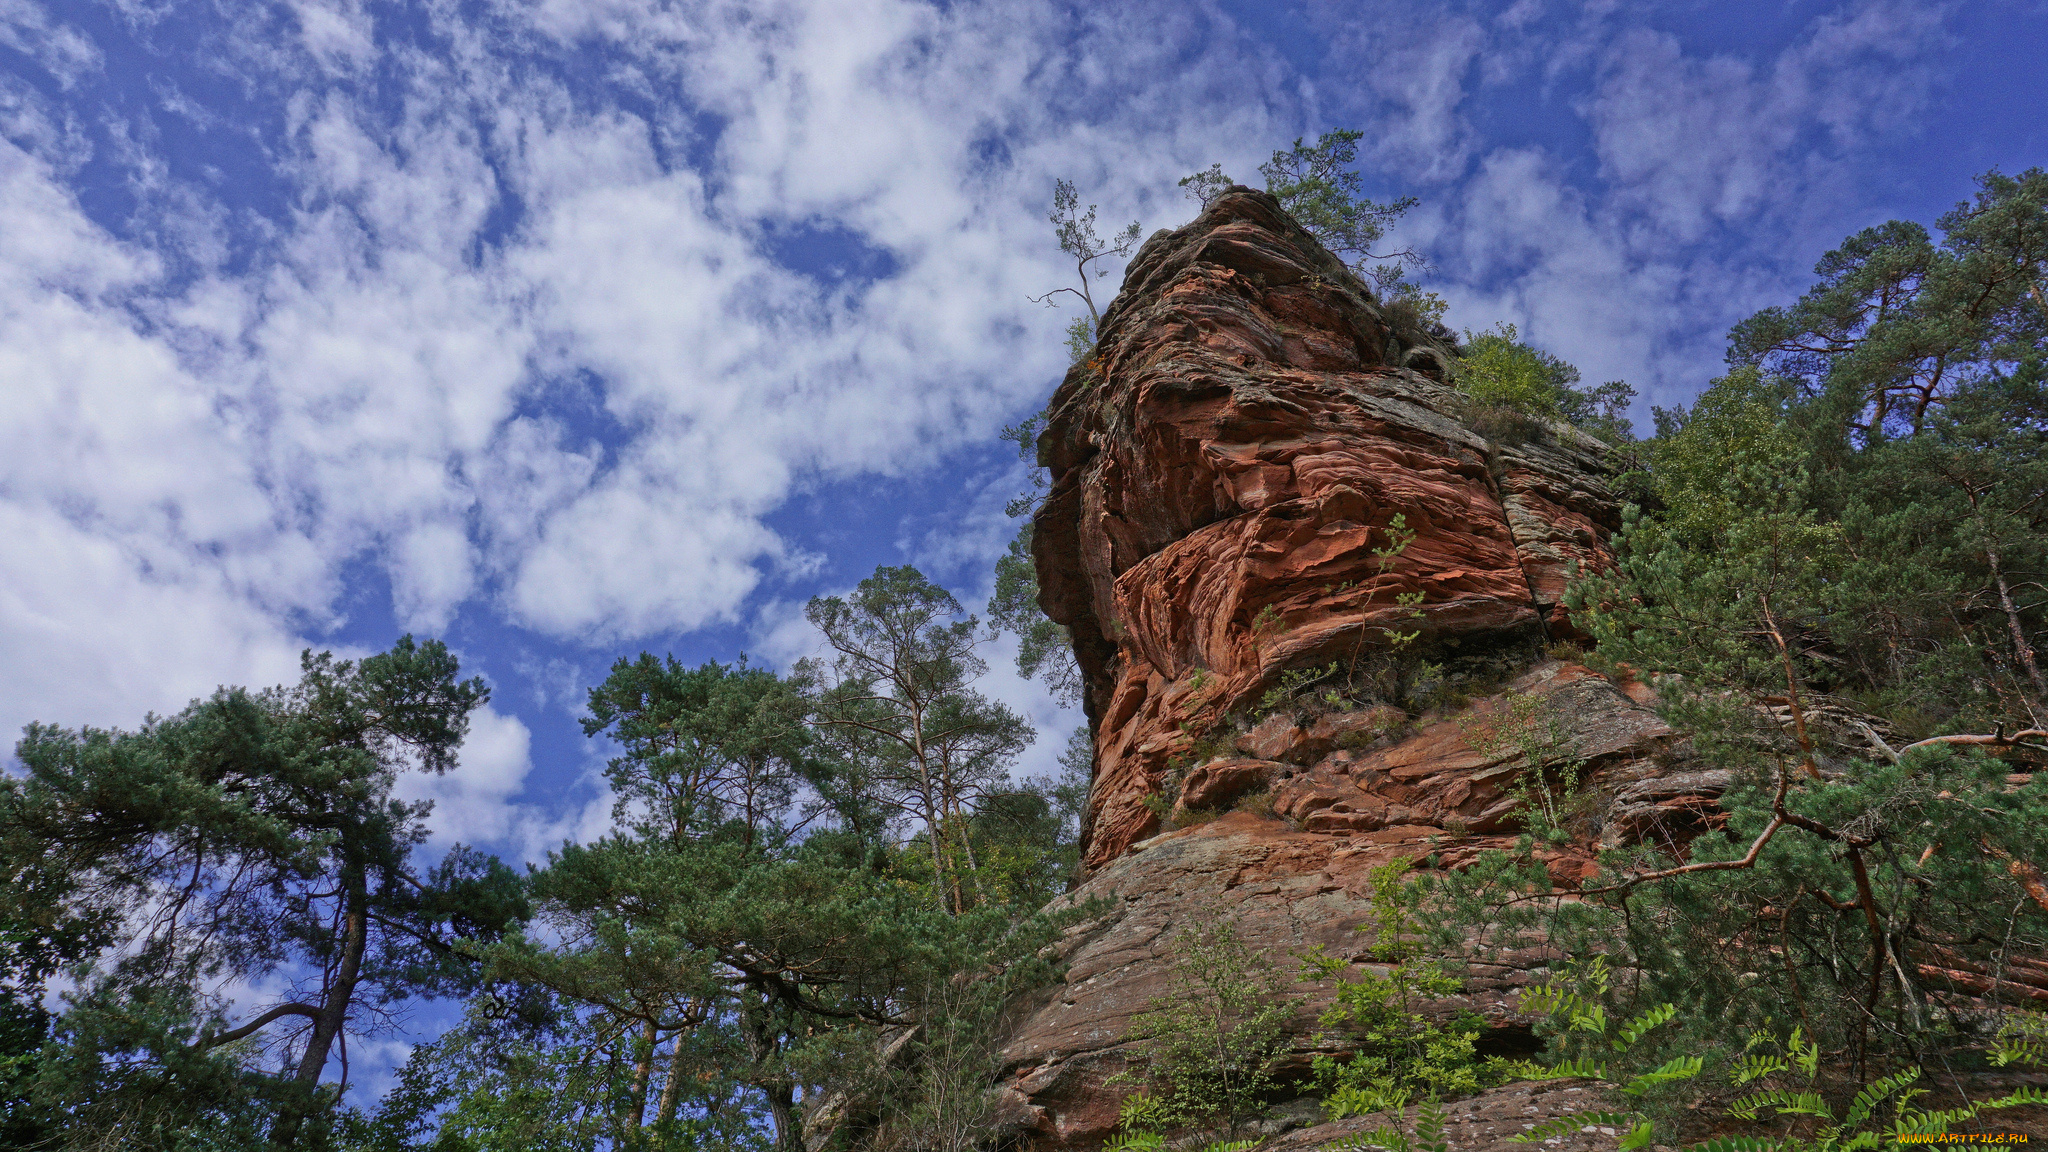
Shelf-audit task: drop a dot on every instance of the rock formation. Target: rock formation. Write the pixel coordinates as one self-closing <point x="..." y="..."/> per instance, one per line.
<point x="1301" y="584"/>
<point x="1234" y="473"/>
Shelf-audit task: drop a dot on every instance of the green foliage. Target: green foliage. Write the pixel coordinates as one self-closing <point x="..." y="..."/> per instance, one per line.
<point x="252" y="833"/>
<point x="1293" y="683"/>
<point x="42" y="933"/>
<point x="1571" y="1005"/>
<point x="1548" y="784"/>
<point x="1320" y="187"/>
<point x="1899" y="325"/>
<point x="1946" y="540"/>
<point x="1786" y="942"/>
<point x="819" y="895"/>
<point x="1509" y="382"/>
<point x="2022" y="1039"/>
<point x="1045" y="651"/>
<point x="1846" y="885"/>
<point x="708" y="750"/>
<point x="1208" y="1046"/>
<point x="1857" y="1126"/>
<point x="1426" y="1134"/>
<point x="1142" y="1139"/>
<point x="1400" y="1050"/>
<point x="1318" y="184"/>
<point x="1080" y="338"/>
<point x="777" y="970"/>
<point x="897" y="702"/>
<point x="1075" y="232"/>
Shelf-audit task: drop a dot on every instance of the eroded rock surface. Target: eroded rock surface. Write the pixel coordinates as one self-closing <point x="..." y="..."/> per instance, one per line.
<point x="1259" y="472"/>
<point x="1234" y="475"/>
<point x="1298" y="877"/>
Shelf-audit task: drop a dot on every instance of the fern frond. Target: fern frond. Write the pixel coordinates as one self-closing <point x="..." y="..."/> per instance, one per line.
<point x="1807" y="1056"/>
<point x="1735" y="1144"/>
<point x="1679" y="1068"/>
<point x="1386" y="1136"/>
<point x="2019" y="1051"/>
<point x="1429" y="1127"/>
<point x="1786" y="1101"/>
<point x="1590" y="1069"/>
<point x="2018" y="1098"/>
<point x="1577" y="1121"/>
<point x="1751" y="1068"/>
<point x="1874" y="1095"/>
<point x="1915" y="1121"/>
<point x="1638" y="1136"/>
<point x="1636" y="1028"/>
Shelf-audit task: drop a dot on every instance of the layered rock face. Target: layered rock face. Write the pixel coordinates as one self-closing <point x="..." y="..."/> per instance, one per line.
<point x="1263" y="471"/>
<point x="1300" y="877"/>
<point x="1235" y="477"/>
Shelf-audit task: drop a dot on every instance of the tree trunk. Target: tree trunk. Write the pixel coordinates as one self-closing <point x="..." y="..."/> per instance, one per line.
<point x="967" y="846"/>
<point x="672" y="1088"/>
<point x="775" y="1088"/>
<point x="333" y="1014"/>
<point x="789" y="1134"/>
<point x="643" y="1071"/>
<point x="2019" y="633"/>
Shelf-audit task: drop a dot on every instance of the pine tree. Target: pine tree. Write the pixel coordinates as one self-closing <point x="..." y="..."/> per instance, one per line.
<point x="252" y="834"/>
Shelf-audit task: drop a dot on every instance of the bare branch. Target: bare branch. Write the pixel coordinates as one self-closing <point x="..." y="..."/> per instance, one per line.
<point x="281" y="1011"/>
<point x="1994" y="740"/>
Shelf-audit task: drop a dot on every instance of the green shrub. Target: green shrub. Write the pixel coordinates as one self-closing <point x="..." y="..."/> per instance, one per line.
<point x="1513" y="387"/>
<point x="1207" y="1047"/>
<point x="1401" y="1052"/>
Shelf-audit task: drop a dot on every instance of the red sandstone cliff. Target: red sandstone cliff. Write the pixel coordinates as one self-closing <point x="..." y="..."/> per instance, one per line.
<point x="1232" y="474"/>
<point x="1226" y="472"/>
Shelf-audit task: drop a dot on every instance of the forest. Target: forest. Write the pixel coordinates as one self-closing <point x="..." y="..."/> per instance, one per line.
<point x="823" y="888"/>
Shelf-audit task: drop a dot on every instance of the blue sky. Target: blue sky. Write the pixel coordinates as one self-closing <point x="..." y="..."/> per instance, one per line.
<point x="564" y="329"/>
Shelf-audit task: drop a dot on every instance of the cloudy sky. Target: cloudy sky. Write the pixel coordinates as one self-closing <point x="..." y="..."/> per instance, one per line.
<point x="564" y="329"/>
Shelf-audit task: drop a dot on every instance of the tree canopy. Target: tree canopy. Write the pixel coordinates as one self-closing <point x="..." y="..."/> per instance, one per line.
<point x="252" y="837"/>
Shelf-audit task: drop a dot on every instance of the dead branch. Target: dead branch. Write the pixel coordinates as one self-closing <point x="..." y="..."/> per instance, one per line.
<point x="1996" y="739"/>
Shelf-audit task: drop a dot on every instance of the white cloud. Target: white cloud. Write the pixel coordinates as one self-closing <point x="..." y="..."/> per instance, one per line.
<point x="1691" y="142"/>
<point x="68" y="54"/>
<point x="91" y="638"/>
<point x="517" y="334"/>
<point x="473" y="801"/>
<point x="1712" y="167"/>
<point x="362" y="388"/>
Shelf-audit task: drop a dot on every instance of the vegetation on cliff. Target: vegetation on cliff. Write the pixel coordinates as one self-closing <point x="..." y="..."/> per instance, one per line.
<point x="821" y="892"/>
<point x="1830" y="585"/>
<point x="1850" y="538"/>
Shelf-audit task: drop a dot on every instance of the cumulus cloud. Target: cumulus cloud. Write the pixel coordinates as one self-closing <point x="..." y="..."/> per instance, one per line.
<point x="525" y="309"/>
<point x="1694" y="141"/>
<point x="1700" y="171"/>
<point x="480" y="801"/>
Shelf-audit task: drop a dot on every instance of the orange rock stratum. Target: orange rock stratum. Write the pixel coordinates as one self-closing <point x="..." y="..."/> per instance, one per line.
<point x="1235" y="472"/>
